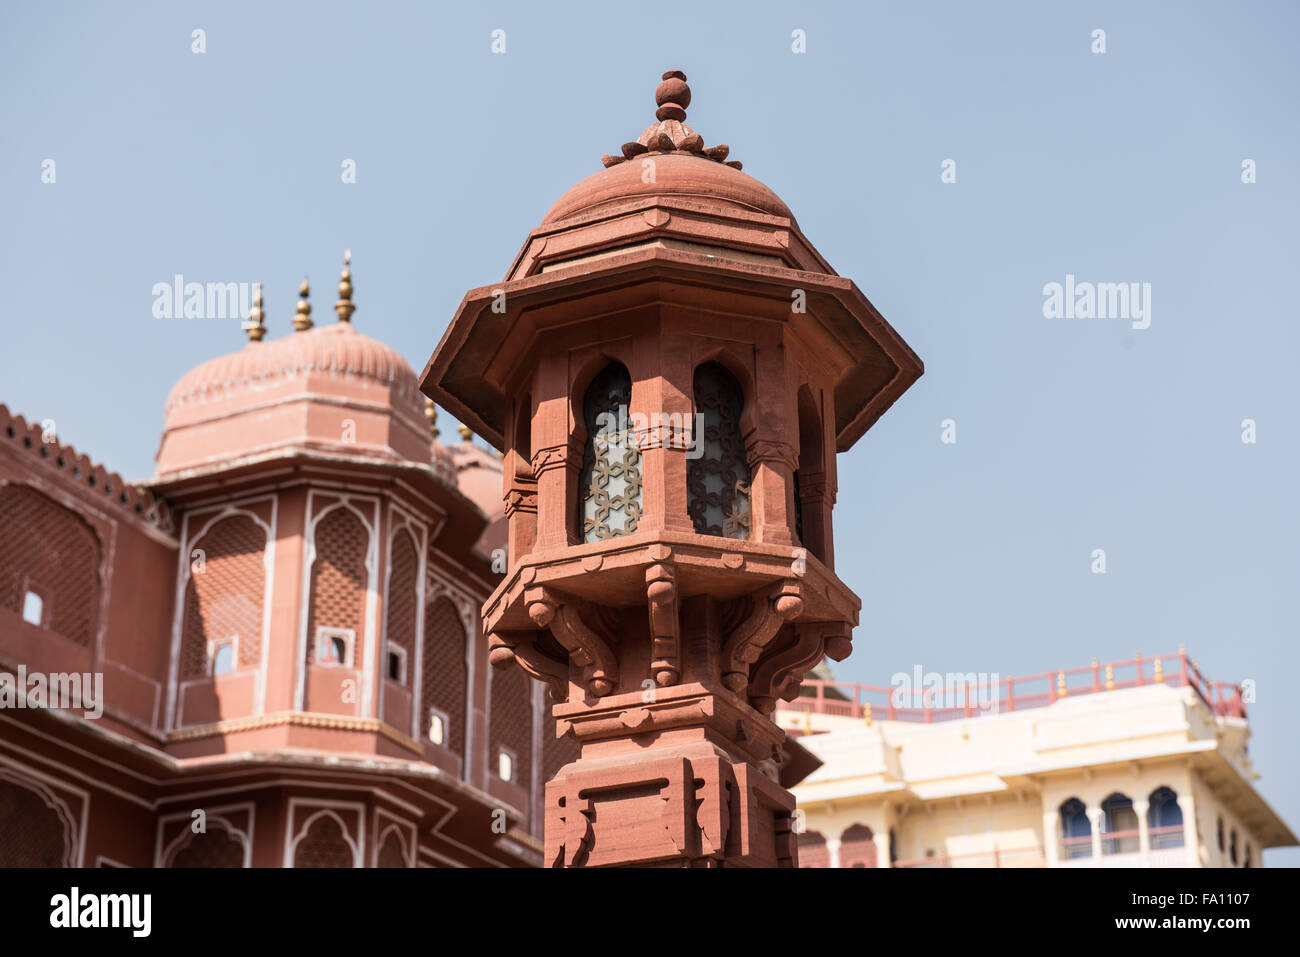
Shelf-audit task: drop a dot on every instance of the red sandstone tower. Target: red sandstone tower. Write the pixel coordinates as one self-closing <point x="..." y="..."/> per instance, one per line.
<point x="669" y="368"/>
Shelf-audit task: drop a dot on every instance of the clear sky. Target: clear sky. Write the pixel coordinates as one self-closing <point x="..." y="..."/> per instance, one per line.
<point x="1072" y="434"/>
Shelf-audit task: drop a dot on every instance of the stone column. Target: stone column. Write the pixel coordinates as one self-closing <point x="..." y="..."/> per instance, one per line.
<point x="1144" y="837"/>
<point x="1095" y="818"/>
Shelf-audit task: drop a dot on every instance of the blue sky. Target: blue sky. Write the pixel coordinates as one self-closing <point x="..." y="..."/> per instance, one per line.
<point x="1072" y="434"/>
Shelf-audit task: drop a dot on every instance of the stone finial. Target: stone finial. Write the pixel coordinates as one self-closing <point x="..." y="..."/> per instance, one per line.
<point x="344" y="306"/>
<point x="466" y="433"/>
<point x="671" y="134"/>
<point x="431" y="413"/>
<point x="302" y="319"/>
<point x="255" y="327"/>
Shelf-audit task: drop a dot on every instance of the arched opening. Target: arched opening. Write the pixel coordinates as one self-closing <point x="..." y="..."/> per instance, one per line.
<point x="325" y="844"/>
<point x="718" y="476"/>
<point x="1076" y="830"/>
<point x="858" y="847"/>
<point x="446" y="677"/>
<point x="1164" y="819"/>
<point x="49" y="551"/>
<point x="810" y="479"/>
<point x="1119" y="825"/>
<point x="609" y="486"/>
<point x="1232" y="847"/>
<point x="215" y="847"/>
<point x="31" y="833"/>
<point x="813" y="851"/>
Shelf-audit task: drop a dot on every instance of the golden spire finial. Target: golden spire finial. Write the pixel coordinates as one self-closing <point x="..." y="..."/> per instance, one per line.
<point x="254" y="327"/>
<point x="466" y="432"/>
<point x="344" y="306"/>
<point x="431" y="413"/>
<point x="302" y="319"/>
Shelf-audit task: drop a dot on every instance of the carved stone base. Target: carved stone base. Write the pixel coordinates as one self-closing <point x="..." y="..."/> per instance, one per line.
<point x="678" y="807"/>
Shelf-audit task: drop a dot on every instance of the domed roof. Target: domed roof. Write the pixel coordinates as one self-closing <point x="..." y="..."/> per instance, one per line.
<point x="337" y="350"/>
<point x="328" y="388"/>
<point x="680" y="163"/>
<point x="676" y="174"/>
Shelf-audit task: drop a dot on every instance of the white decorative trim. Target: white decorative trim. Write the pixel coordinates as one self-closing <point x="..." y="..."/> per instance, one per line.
<point x="326" y="809"/>
<point x="73" y="838"/>
<point x="217" y="815"/>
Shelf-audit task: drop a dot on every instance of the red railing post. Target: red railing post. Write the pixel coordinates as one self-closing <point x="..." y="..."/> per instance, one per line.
<point x="1137" y="658"/>
<point x="1011" y="694"/>
<point x="1096" y="684"/>
<point x="1182" y="664"/>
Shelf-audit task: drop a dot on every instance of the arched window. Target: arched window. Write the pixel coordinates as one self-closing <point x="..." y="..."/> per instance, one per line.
<point x="338" y="587"/>
<point x="31" y="832"/>
<point x="1246" y="860"/>
<point x="609" y="502"/>
<point x="1232" y="847"/>
<point x="223" y="598"/>
<point x="325" y="844"/>
<point x="1164" y="819"/>
<point x="215" y="847"/>
<point x="1119" y="825"/>
<point x="1222" y="848"/>
<point x="446" y="676"/>
<point x="50" y="552"/>
<point x="857" y="847"/>
<point x="717" y="477"/>
<point x="809" y="478"/>
<point x="1076" y="830"/>
<point x="510" y="731"/>
<point x="402" y="601"/>
<point x="813" y="851"/>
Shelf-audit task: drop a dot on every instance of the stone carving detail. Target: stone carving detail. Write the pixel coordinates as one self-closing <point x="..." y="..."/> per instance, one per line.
<point x="588" y="650"/>
<point x="518" y="647"/>
<point x="779" y="675"/>
<point x="665" y="624"/>
<point x="745" y="643"/>
<point x="521" y="500"/>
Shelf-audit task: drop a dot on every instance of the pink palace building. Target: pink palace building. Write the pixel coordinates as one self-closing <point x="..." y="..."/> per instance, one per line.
<point x="270" y="654"/>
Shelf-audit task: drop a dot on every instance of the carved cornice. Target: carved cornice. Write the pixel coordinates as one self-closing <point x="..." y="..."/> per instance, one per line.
<point x="567" y="455"/>
<point x="521" y="500"/>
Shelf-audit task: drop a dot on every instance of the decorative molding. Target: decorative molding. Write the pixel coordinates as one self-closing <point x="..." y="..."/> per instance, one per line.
<point x="588" y="650"/>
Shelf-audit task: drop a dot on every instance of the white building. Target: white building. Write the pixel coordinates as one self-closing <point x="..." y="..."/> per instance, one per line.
<point x="1136" y="763"/>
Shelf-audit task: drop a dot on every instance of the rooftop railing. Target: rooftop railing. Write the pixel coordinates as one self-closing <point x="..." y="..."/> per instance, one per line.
<point x="962" y="699"/>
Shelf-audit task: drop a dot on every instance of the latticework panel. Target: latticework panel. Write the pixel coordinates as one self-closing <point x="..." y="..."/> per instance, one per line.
<point x="402" y="597"/>
<point x="446" y="671"/>
<point x="214" y="848"/>
<point x="323" y="845"/>
<point x="511" y="721"/>
<point x="51" y="549"/>
<point x="225" y="594"/>
<point x="610" y="485"/>
<point x="338" y="579"/>
<point x="31" y="834"/>
<point x="717" y="481"/>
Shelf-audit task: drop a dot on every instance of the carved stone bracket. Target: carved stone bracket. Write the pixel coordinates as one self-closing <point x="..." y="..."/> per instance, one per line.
<point x="773" y="451"/>
<point x="522" y="499"/>
<point x="746" y="642"/>
<point x="517" y="647"/>
<point x="665" y="624"/>
<point x="779" y="675"/>
<point x="555" y="457"/>
<point x="587" y="649"/>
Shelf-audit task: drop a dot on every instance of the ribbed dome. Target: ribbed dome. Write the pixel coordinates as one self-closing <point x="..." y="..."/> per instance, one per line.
<point x="328" y="388"/>
<point x="336" y="349"/>
<point x="676" y="174"/>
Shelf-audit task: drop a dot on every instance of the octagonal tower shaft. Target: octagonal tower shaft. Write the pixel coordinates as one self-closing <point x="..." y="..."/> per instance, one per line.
<point x="669" y="369"/>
